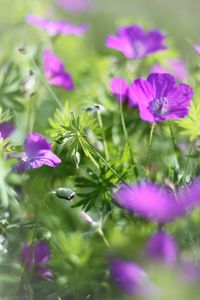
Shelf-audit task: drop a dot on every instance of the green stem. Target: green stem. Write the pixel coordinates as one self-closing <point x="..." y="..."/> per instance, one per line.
<point x="174" y="144"/>
<point x="54" y="96"/>
<point x="104" y="138"/>
<point x="93" y="160"/>
<point x="100" y="232"/>
<point x="149" y="148"/>
<point x="188" y="158"/>
<point x="113" y="171"/>
<point x="135" y="170"/>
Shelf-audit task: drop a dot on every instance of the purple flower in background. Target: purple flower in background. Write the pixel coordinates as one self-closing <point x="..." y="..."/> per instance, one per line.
<point x="131" y="278"/>
<point x="59" y="27"/>
<point x="6" y="129"/>
<point x="162" y="248"/>
<point x="159" y="98"/>
<point x="75" y="5"/>
<point x="120" y="89"/>
<point x="197" y="48"/>
<point x="134" y="42"/>
<point x="36" y="257"/>
<point x="157" y="203"/>
<point x="174" y="66"/>
<point x="37" y="153"/>
<point x="55" y="72"/>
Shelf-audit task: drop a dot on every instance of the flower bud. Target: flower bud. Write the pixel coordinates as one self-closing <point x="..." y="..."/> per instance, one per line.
<point x="95" y="107"/>
<point x="64" y="193"/>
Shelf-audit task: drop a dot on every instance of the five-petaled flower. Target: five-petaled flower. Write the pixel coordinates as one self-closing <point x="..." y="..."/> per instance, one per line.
<point x="159" y="98"/>
<point x="35" y="257"/>
<point x="55" y="72"/>
<point x="37" y="152"/>
<point x="58" y="27"/>
<point x="157" y="203"/>
<point x="134" y="42"/>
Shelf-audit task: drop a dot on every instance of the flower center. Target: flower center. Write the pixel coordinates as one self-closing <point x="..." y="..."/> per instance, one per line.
<point x="159" y="106"/>
<point x="139" y="48"/>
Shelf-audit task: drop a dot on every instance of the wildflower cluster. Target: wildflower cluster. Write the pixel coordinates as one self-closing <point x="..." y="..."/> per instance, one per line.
<point x="99" y="191"/>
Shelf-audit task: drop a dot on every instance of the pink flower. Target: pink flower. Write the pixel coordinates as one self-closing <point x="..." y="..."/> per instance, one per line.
<point x="58" y="27"/>
<point x="55" y="72"/>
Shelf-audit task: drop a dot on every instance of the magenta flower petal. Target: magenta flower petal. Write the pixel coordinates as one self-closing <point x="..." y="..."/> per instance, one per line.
<point x="197" y="48"/>
<point x="44" y="273"/>
<point x="6" y="129"/>
<point x="149" y="201"/>
<point x="119" y="88"/>
<point x="36" y="257"/>
<point x="42" y="253"/>
<point x="175" y="66"/>
<point x="159" y="98"/>
<point x="162" y="248"/>
<point x="59" y="27"/>
<point x="55" y="72"/>
<point x="134" y="42"/>
<point x="140" y="91"/>
<point x="27" y="256"/>
<point x="37" y="153"/>
<point x="130" y="277"/>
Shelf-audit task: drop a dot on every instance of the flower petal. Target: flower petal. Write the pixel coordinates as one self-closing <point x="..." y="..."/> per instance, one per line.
<point x="119" y="88"/>
<point x="42" y="253"/>
<point x="149" y="201"/>
<point x="161" y="83"/>
<point x="55" y="72"/>
<point x="162" y="248"/>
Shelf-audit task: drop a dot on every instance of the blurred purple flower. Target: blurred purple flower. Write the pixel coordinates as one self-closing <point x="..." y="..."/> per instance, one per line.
<point x="55" y="72"/>
<point x="174" y="66"/>
<point x="162" y="248"/>
<point x="36" y="257"/>
<point x="197" y="48"/>
<point x="134" y="42"/>
<point x="156" y="203"/>
<point x="120" y="89"/>
<point x="6" y="129"/>
<point x="58" y="27"/>
<point x="131" y="278"/>
<point x="75" y="5"/>
<point x="159" y="98"/>
<point x="37" y="153"/>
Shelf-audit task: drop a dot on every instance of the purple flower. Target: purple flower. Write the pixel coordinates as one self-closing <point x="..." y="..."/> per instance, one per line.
<point x="55" y="72"/>
<point x="130" y="277"/>
<point x="59" y="27"/>
<point x="175" y="66"/>
<point x="156" y="203"/>
<point x="37" y="153"/>
<point x="120" y="89"/>
<point x="6" y="129"/>
<point x="162" y="248"/>
<point x="197" y="48"/>
<point x="75" y="5"/>
<point x="159" y="98"/>
<point x="134" y="42"/>
<point x="36" y="257"/>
